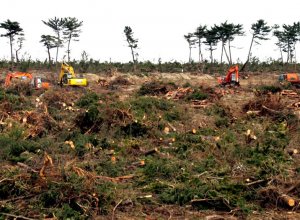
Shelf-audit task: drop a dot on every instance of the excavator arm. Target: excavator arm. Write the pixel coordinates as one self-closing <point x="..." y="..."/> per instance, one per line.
<point x="66" y="69"/>
<point x="19" y="75"/>
<point x="229" y="77"/>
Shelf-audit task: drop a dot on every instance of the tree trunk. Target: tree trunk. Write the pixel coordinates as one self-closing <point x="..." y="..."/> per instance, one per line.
<point x="200" y="52"/>
<point x="49" y="57"/>
<point x="68" y="51"/>
<point x="229" y="48"/>
<point x="226" y="54"/>
<point x="222" y="52"/>
<point x="190" y="55"/>
<point x="281" y="54"/>
<point x="211" y="54"/>
<point x="17" y="56"/>
<point x="250" y="47"/>
<point x="11" y="49"/>
<point x="295" y="58"/>
<point x="58" y="43"/>
<point x="132" y="54"/>
<point x="288" y="52"/>
<point x="133" y="59"/>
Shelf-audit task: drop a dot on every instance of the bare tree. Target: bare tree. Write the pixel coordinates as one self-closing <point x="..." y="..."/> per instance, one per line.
<point x="20" y="46"/>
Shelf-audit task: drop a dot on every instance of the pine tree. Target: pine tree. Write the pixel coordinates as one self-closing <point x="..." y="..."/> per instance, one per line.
<point x="13" y="29"/>
<point x="260" y="30"/>
<point x="71" y="31"/>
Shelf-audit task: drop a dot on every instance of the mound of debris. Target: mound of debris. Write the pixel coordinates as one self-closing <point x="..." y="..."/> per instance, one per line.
<point x="156" y="88"/>
<point x="265" y="105"/>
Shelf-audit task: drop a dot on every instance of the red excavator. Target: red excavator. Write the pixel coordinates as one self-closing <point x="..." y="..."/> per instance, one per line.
<point x="231" y="78"/>
<point x="36" y="82"/>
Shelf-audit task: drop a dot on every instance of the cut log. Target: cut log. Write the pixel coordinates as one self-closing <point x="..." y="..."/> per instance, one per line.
<point x="214" y="217"/>
<point x="252" y="112"/>
<point x="171" y="126"/>
<point x="292" y="151"/>
<point x="150" y="152"/>
<point x="287" y="200"/>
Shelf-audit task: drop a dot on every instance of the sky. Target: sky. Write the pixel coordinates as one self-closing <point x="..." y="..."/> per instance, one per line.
<point x="159" y="25"/>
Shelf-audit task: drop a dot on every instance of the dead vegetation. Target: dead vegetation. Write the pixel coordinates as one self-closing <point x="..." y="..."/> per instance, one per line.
<point x="166" y="152"/>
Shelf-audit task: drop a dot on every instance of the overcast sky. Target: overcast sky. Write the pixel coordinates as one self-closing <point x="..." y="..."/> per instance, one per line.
<point x="159" y="25"/>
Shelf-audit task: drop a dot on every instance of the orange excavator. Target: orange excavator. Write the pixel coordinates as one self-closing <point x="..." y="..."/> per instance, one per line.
<point x="292" y="78"/>
<point x="231" y="78"/>
<point x="36" y="82"/>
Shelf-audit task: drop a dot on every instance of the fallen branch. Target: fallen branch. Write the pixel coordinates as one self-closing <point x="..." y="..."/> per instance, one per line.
<point x="23" y="165"/>
<point x="6" y="179"/>
<point x="171" y="126"/>
<point x="271" y="110"/>
<point x="114" y="179"/>
<point x="84" y="173"/>
<point x="113" y="214"/>
<point x="17" y="198"/>
<point x="294" y="187"/>
<point x="219" y="204"/>
<point x="256" y="182"/>
<point x="16" y="216"/>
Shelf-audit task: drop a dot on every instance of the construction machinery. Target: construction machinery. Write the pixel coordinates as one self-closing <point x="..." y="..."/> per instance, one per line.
<point x="67" y="76"/>
<point x="36" y="81"/>
<point x="231" y="78"/>
<point x="292" y="78"/>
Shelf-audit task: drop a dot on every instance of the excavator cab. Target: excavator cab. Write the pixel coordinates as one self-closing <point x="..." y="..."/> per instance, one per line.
<point x="290" y="78"/>
<point x="67" y="76"/>
<point x="38" y="83"/>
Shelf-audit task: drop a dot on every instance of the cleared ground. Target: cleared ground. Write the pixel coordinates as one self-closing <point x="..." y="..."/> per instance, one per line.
<point x="134" y="146"/>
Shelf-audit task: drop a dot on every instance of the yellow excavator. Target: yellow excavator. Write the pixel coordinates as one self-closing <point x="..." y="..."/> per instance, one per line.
<point x="67" y="76"/>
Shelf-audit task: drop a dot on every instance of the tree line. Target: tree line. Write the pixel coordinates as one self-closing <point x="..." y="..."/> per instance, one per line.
<point x="286" y="36"/>
<point x="65" y="30"/>
<point x="68" y="29"/>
